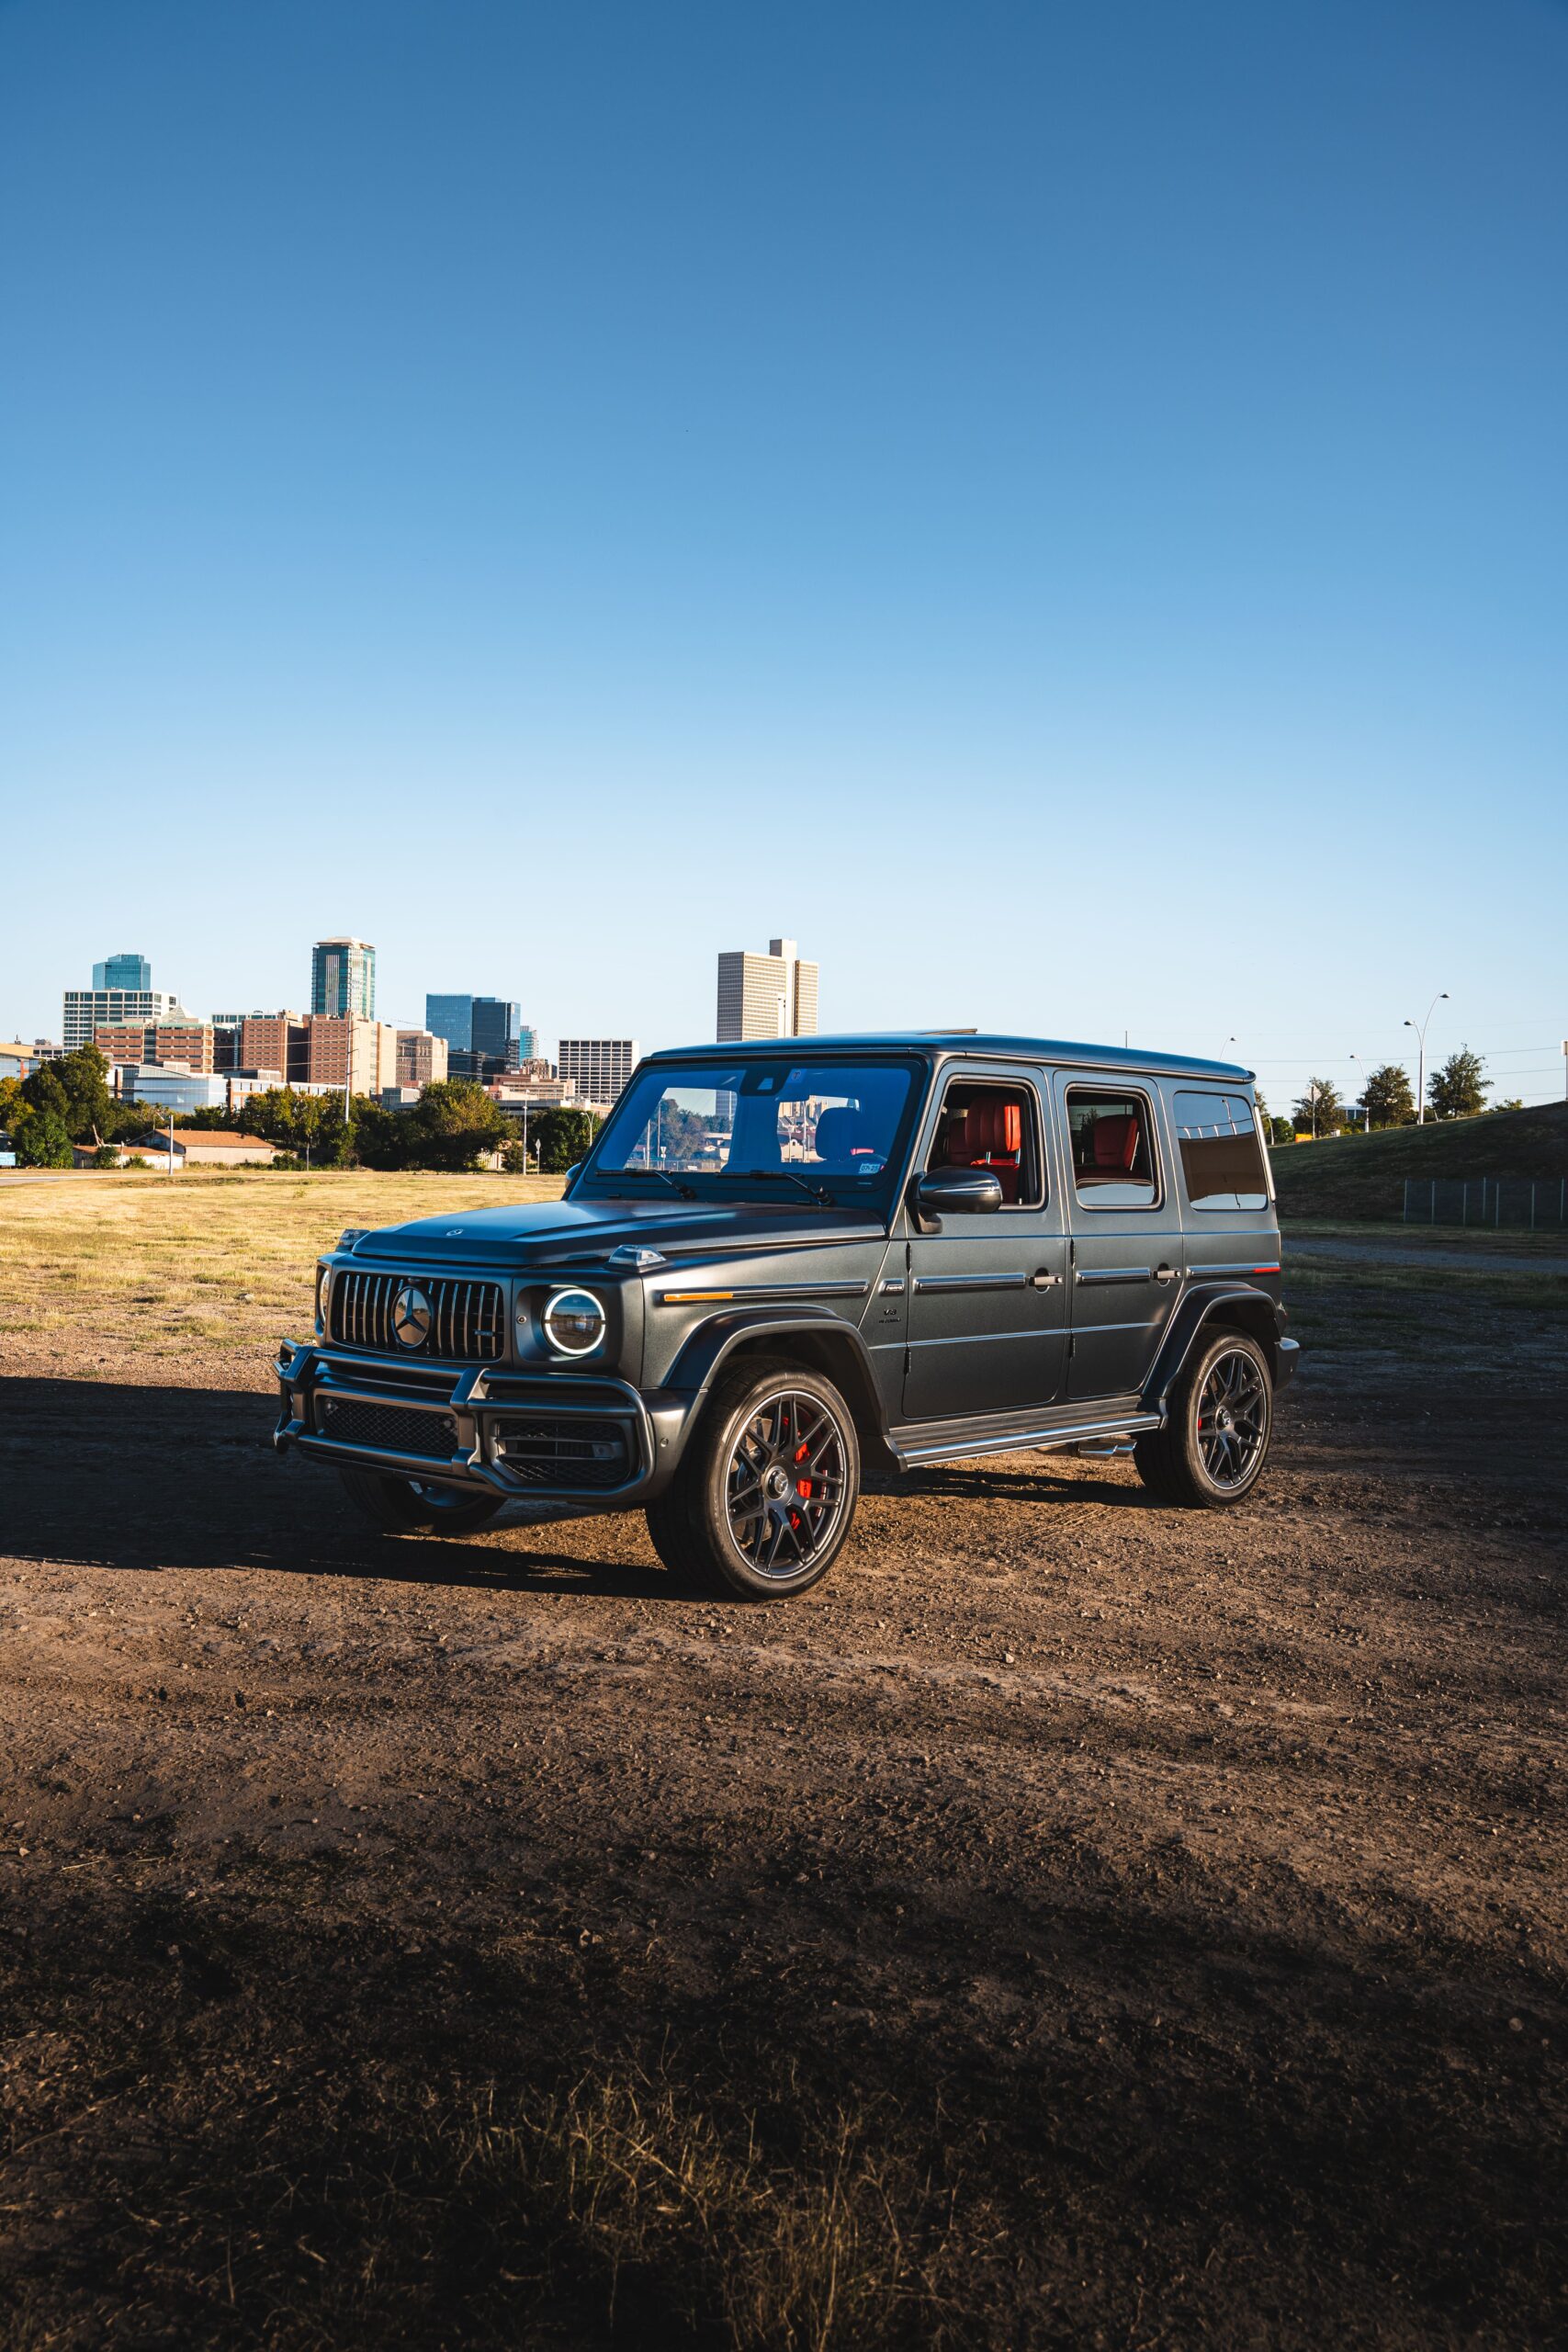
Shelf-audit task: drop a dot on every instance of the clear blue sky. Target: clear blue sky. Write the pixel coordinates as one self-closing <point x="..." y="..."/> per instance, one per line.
<point x="1059" y="508"/>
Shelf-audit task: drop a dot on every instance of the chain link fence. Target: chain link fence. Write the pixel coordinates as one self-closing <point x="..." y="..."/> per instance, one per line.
<point x="1488" y="1200"/>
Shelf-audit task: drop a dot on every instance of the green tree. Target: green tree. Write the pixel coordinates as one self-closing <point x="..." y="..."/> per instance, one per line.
<point x="1280" y="1130"/>
<point x="310" y="1127"/>
<point x="381" y="1138"/>
<point x="1458" y="1091"/>
<point x="452" y="1123"/>
<point x="564" y="1137"/>
<point x="1389" y="1096"/>
<point x="40" y="1139"/>
<point x="75" y="1091"/>
<point x="1320" y="1111"/>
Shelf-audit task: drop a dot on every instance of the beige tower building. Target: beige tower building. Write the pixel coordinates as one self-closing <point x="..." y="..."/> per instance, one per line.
<point x="422" y="1058"/>
<point x="337" y="1041"/>
<point x="766" y="996"/>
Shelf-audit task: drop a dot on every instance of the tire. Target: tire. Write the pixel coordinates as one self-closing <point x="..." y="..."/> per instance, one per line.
<point x="1213" y="1448"/>
<point x="408" y="1507"/>
<point x="740" y="1521"/>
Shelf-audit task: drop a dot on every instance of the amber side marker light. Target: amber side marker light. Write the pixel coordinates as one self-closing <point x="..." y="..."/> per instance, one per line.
<point x="691" y="1297"/>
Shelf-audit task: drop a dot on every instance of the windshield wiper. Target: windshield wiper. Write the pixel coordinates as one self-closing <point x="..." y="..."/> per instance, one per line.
<point x="660" y="1176"/>
<point x="817" y="1192"/>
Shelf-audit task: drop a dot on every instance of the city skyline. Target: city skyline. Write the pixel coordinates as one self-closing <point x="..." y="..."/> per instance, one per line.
<point x="1171" y="481"/>
<point x="1537" y="1073"/>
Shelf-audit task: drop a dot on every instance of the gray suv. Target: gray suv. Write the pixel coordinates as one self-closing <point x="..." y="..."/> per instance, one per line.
<point x="785" y="1260"/>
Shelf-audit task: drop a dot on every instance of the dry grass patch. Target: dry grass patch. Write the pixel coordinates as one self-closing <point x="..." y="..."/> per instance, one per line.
<point x="224" y="1258"/>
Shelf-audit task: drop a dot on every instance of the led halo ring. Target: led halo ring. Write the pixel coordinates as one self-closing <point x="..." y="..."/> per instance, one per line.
<point x="588" y="1317"/>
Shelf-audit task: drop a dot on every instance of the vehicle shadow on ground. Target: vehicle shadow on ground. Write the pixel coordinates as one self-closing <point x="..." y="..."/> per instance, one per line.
<point x="164" y="1479"/>
<point x="159" y="1478"/>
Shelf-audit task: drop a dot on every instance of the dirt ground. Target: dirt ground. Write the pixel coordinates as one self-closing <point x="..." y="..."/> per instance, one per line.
<point x="1079" y="1924"/>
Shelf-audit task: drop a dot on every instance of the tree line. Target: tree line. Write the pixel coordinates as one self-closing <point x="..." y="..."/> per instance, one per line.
<point x="66" y="1106"/>
<point x="1457" y="1091"/>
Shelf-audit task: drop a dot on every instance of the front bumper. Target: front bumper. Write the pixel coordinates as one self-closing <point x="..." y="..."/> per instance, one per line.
<point x="559" y="1438"/>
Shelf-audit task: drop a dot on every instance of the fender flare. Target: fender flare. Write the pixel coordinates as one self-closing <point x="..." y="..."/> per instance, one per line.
<point x="1259" y="1315"/>
<point x="828" y="1342"/>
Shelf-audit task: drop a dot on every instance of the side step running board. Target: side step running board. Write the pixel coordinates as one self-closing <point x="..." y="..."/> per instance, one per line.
<point x="911" y="1449"/>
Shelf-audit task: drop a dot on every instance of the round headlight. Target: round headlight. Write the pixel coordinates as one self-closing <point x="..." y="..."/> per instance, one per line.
<point x="574" y="1322"/>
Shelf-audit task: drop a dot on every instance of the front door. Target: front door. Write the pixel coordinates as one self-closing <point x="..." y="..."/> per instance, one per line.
<point x="986" y="1311"/>
<point x="1127" y="1258"/>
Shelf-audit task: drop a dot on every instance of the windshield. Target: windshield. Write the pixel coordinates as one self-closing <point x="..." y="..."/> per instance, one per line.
<point x="829" y="1128"/>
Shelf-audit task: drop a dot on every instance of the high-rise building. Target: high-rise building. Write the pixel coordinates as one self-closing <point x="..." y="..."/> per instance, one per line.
<point x="89" y="1009"/>
<point x="343" y="978"/>
<point x="422" y="1058"/>
<point x="280" y="1041"/>
<point x="362" y="1053"/>
<point x="766" y="996"/>
<point x="495" y="1032"/>
<point x="191" y="1044"/>
<point x="133" y="972"/>
<point x="598" y="1067"/>
<point x="451" y="1017"/>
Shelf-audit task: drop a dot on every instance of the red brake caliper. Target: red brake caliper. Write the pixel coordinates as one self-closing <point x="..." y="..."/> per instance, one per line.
<point x="803" y="1486"/>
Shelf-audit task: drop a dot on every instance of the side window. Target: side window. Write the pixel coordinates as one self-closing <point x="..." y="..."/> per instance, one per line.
<point x="1115" y="1164"/>
<point x="1222" y="1161"/>
<point x="994" y="1127"/>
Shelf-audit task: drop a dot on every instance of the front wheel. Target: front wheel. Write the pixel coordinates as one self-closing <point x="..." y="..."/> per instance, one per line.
<point x="410" y="1507"/>
<point x="1215" y="1441"/>
<point x="763" y="1498"/>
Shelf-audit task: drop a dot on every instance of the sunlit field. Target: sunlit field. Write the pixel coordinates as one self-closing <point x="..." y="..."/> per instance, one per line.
<point x="226" y="1258"/>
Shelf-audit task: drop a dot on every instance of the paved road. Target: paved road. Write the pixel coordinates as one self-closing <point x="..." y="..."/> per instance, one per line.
<point x="44" y="1175"/>
<point x="1377" y="1251"/>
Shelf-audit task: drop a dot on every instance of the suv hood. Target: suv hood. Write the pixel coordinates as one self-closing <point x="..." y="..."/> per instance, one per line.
<point x="584" y="1232"/>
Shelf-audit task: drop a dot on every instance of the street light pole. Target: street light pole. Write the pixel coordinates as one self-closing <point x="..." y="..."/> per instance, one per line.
<point x="1366" y="1114"/>
<point x="1420" y="1029"/>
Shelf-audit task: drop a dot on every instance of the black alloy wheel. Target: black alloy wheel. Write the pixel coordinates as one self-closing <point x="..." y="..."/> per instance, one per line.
<point x="1232" y="1417"/>
<point x="784" y="1488"/>
<point x="762" y="1503"/>
<point x="1219" y="1421"/>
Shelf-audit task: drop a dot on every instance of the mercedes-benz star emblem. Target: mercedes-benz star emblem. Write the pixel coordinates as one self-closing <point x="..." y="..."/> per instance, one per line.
<point x="410" y="1317"/>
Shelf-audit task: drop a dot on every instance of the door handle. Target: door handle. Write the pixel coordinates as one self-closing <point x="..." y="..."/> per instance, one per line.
<point x="1167" y="1273"/>
<point x="1044" y="1279"/>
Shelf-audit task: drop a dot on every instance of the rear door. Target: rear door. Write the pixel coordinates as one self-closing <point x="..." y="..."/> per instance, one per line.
<point x="986" y="1317"/>
<point x="1126" y="1255"/>
<point x="1230" y="1212"/>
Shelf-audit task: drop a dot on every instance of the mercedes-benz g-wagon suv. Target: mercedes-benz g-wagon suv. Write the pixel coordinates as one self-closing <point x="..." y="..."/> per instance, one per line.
<point x="784" y="1260"/>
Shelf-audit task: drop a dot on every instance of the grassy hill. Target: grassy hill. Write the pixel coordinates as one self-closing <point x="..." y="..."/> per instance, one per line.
<point x="1363" y="1176"/>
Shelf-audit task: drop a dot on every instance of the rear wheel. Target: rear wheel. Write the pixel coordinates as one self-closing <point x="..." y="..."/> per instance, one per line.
<point x="1215" y="1441"/>
<point x="413" y="1506"/>
<point x="763" y="1501"/>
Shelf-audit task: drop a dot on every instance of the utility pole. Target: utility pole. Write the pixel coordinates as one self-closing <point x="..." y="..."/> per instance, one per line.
<point x="1366" y="1111"/>
<point x="1420" y="1029"/>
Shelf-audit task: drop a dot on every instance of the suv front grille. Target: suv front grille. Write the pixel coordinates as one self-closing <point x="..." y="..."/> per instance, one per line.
<point x="568" y="1451"/>
<point x="468" y="1320"/>
<point x="392" y="1429"/>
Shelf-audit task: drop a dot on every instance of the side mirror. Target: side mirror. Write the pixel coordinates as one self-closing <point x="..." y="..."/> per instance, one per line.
<point x="956" y="1191"/>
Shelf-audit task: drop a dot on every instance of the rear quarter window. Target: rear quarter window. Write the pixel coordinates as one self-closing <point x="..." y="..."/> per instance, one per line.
<point x="1222" y="1159"/>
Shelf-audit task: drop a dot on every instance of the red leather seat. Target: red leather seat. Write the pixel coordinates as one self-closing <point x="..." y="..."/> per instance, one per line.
<point x="989" y="1135"/>
<point x="1115" y="1145"/>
